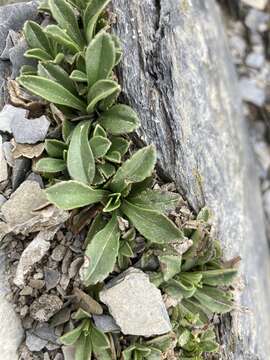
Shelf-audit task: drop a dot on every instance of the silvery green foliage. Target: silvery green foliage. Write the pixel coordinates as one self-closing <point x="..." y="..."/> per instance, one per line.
<point x="92" y="165"/>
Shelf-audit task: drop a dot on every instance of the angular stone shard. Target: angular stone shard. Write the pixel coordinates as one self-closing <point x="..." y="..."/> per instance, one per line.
<point x="136" y="305"/>
<point x="32" y="254"/>
<point x="8" y="115"/>
<point x="21" y="215"/>
<point x="30" y="131"/>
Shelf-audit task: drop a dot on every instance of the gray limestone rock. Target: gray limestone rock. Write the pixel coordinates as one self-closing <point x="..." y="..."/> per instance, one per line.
<point x="11" y="332"/>
<point x="32" y="254"/>
<point x="136" y="305"/>
<point x="34" y="343"/>
<point x="45" y="307"/>
<point x="105" y="323"/>
<point x="251" y="92"/>
<point x="24" y="213"/>
<point x="20" y="169"/>
<point x="8" y="114"/>
<point x="178" y="75"/>
<point x="30" y="131"/>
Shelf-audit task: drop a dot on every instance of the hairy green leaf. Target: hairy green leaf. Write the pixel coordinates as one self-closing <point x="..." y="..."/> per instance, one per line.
<point x="59" y="35"/>
<point x="154" y="226"/>
<point x="67" y="130"/>
<point x="99" y="131"/>
<point x="99" y="339"/>
<point x="120" y="119"/>
<point x="156" y="200"/>
<point x="72" y="336"/>
<point x="36" y="37"/>
<point x="58" y="74"/>
<point x="136" y="169"/>
<point x="107" y="170"/>
<point x="218" y="277"/>
<point x="50" y="165"/>
<point x="119" y="144"/>
<point x="99" y="145"/>
<point x="83" y="349"/>
<point x="102" y="252"/>
<point x="97" y="224"/>
<point x="80" y="159"/>
<point x="99" y="91"/>
<point x="100" y="58"/>
<point x="38" y="54"/>
<point x="79" y="76"/>
<point x="114" y="157"/>
<point x="91" y="15"/>
<point x="65" y="16"/>
<point x="109" y="101"/>
<point x="51" y="91"/>
<point x="55" y="148"/>
<point x="170" y="265"/>
<point x="214" y="299"/>
<point x="72" y="194"/>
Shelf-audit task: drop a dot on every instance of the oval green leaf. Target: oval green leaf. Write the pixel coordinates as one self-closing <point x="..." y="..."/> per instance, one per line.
<point x="80" y="159"/>
<point x="50" y="165"/>
<point x="51" y="91"/>
<point x="68" y="195"/>
<point x="120" y="119"/>
<point x="154" y="226"/>
<point x="99" y="91"/>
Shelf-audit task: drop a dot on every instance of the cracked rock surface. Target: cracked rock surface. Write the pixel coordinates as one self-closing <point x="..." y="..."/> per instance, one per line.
<point x="136" y="305"/>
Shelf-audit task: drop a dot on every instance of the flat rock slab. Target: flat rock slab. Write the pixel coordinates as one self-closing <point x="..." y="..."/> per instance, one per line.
<point x="30" y="131"/>
<point x="21" y="215"/>
<point x="8" y="115"/>
<point x="32" y="254"/>
<point x="136" y="304"/>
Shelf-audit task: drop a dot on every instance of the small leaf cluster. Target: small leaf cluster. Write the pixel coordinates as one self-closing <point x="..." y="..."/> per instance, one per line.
<point x="91" y="164"/>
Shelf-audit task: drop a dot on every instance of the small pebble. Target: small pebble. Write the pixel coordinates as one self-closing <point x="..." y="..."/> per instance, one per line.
<point x="59" y="253"/>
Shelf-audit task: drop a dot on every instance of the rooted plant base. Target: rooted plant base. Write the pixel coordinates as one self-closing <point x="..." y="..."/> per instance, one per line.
<point x="128" y="235"/>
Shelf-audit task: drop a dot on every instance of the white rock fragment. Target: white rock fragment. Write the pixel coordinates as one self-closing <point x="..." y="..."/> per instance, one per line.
<point x="136" y="305"/>
<point x="11" y="331"/>
<point x="257" y="4"/>
<point x="32" y="254"/>
<point x="251" y="92"/>
<point x="3" y="163"/>
<point x="21" y="215"/>
<point x="30" y="131"/>
<point x="8" y="115"/>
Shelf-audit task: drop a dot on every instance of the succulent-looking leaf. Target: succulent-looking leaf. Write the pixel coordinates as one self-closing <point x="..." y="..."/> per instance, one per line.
<point x="28" y="70"/>
<point x="107" y="170"/>
<point x="99" y="339"/>
<point x="67" y="130"/>
<point x="119" y="144"/>
<point x="170" y="266"/>
<point x="136" y="169"/>
<point x="81" y="314"/>
<point x="59" y="35"/>
<point x="50" y="165"/>
<point x="99" y="145"/>
<point x="79" y="76"/>
<point x="102" y="252"/>
<point x="109" y="101"/>
<point x="83" y="349"/>
<point x="120" y="119"/>
<point x="72" y="336"/>
<point x="38" y="54"/>
<point x="214" y="299"/>
<point x="80" y="159"/>
<point x="156" y="200"/>
<point x="65" y="16"/>
<point x="114" y="157"/>
<point x="56" y="73"/>
<point x="71" y="194"/>
<point x="179" y="289"/>
<point x="192" y="306"/>
<point x="51" y="91"/>
<point x="219" y="277"/>
<point x="55" y="148"/>
<point x="99" y="91"/>
<point x="99" y="131"/>
<point x="91" y="15"/>
<point x="154" y="226"/>
<point x="97" y="224"/>
<point x="100" y="58"/>
<point x="36" y="37"/>
<point x="114" y="202"/>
